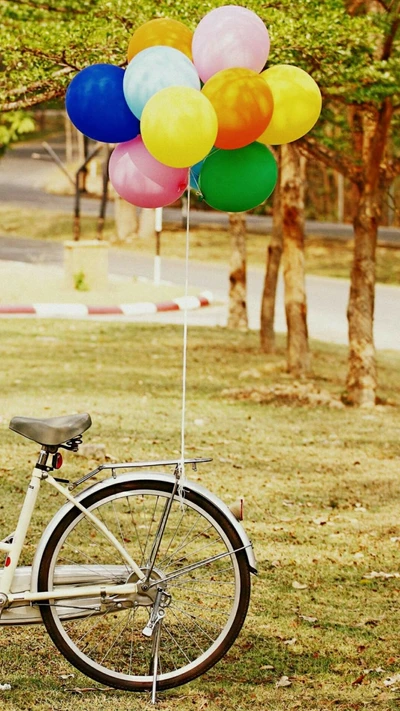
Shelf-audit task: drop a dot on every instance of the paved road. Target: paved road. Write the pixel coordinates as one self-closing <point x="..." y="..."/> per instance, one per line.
<point x="22" y="178"/>
<point x="327" y="298"/>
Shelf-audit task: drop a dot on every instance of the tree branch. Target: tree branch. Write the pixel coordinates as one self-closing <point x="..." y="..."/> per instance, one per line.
<point x="40" y="85"/>
<point x="49" y="8"/>
<point x="311" y="147"/>
<point x="30" y="101"/>
<point x="389" y="39"/>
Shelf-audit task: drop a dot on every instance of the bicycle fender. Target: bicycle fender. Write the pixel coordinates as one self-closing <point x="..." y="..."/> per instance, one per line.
<point x="144" y="476"/>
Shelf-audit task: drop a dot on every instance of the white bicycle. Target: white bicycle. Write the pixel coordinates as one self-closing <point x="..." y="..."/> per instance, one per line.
<point x="142" y="580"/>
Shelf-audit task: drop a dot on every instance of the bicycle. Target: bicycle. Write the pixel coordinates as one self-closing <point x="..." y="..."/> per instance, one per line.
<point x="142" y="580"/>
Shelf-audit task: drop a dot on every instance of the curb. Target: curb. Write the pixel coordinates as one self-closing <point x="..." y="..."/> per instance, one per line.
<point x="81" y="310"/>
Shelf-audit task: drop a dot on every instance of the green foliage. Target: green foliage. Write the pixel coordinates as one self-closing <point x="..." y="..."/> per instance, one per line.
<point x="353" y="55"/>
<point x="38" y="40"/>
<point x="14" y="126"/>
<point x="80" y="283"/>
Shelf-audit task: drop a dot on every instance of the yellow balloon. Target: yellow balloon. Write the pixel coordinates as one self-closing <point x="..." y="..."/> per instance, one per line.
<point x="297" y="104"/>
<point x="179" y="126"/>
<point x="162" y="31"/>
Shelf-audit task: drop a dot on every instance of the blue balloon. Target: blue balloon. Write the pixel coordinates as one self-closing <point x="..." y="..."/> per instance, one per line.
<point x="96" y="105"/>
<point x="195" y="175"/>
<point x="153" y="69"/>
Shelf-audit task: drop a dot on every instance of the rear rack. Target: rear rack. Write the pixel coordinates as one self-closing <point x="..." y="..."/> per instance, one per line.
<point x="141" y="465"/>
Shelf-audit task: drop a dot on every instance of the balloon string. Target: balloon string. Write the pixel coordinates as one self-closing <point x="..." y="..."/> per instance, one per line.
<point x="192" y="175"/>
<point x="185" y="333"/>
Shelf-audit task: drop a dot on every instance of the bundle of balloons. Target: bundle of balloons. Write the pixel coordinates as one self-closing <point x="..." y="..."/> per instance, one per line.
<point x="195" y="108"/>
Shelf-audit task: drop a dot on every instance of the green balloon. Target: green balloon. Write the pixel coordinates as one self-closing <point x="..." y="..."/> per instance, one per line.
<point x="238" y="180"/>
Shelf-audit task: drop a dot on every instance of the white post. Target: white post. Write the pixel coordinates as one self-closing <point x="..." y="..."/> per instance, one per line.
<point x="157" y="258"/>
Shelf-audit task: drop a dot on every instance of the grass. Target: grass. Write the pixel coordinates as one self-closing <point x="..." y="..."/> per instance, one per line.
<point x="326" y="257"/>
<point x="321" y="488"/>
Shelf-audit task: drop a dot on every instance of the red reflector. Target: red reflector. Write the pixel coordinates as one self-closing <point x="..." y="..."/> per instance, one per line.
<point x="58" y="460"/>
<point x="8" y="561"/>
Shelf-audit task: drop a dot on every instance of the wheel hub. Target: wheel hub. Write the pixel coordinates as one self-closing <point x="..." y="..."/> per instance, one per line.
<point x="147" y="591"/>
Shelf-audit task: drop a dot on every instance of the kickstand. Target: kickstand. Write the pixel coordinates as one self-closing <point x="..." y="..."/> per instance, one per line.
<point x="154" y="659"/>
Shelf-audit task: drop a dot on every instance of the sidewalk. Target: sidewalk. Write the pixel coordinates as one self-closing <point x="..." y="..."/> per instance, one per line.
<point x="38" y="290"/>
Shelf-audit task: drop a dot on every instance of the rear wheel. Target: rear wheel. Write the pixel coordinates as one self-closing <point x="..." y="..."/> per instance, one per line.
<point x="204" y="608"/>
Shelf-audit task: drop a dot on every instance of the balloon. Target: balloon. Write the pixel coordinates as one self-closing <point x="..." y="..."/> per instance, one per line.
<point x="229" y="36"/>
<point x="179" y="126"/>
<point x="161" y="31"/>
<point x="236" y="181"/>
<point x="297" y="104"/>
<point x="154" y="69"/>
<point x="96" y="104"/>
<point x="243" y="103"/>
<point x="141" y="180"/>
<point x="195" y="175"/>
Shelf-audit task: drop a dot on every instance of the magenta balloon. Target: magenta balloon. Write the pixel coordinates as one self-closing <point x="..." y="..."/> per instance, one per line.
<point x="229" y="36"/>
<point x="141" y="179"/>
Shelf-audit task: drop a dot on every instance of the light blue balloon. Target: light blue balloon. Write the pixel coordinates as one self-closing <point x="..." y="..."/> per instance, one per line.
<point x="153" y="69"/>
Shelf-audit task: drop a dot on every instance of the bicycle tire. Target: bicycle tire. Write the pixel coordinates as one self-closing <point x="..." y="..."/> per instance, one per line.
<point x="207" y="609"/>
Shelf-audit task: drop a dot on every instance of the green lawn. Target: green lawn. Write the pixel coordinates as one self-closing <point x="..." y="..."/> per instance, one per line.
<point x="325" y="257"/>
<point x="322" y="494"/>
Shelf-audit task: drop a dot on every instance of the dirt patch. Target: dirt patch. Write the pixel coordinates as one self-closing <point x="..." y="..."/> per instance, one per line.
<point x="296" y="393"/>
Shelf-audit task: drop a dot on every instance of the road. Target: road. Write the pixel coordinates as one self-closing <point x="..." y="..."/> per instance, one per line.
<point x="21" y="181"/>
<point x="327" y="298"/>
<point x="22" y="178"/>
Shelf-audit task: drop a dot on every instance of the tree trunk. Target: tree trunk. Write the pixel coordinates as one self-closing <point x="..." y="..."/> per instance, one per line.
<point x="237" y="317"/>
<point x="274" y="254"/>
<point x="292" y="197"/>
<point x="362" y="376"/>
<point x="126" y="220"/>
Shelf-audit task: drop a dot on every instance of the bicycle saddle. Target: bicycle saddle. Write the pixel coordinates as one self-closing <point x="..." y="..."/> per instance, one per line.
<point x="52" y="431"/>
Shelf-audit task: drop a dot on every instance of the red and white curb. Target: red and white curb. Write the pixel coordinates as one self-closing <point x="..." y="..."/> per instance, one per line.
<point x="81" y="310"/>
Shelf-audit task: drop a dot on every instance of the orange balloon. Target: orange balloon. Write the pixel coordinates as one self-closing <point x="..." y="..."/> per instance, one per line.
<point x="243" y="106"/>
<point x="164" y="32"/>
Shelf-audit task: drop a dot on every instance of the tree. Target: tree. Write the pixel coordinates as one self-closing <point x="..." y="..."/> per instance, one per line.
<point x="237" y="317"/>
<point x="352" y="50"/>
<point x="273" y="260"/>
<point x="364" y="134"/>
<point x="292" y="209"/>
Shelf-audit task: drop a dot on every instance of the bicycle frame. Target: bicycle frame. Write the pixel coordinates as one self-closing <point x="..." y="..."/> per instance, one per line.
<point x="14" y="549"/>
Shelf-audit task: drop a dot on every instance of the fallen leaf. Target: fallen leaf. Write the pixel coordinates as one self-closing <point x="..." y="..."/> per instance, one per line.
<point x="266" y="667"/>
<point x="380" y="574"/>
<point x="392" y="680"/>
<point x="283" y="681"/>
<point x="308" y="619"/>
<point x="299" y="586"/>
<point x="359" y="679"/>
<point x="290" y="641"/>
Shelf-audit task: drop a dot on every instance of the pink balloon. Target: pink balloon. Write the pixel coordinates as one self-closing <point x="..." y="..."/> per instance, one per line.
<point x="229" y="36"/>
<point x="141" y="179"/>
